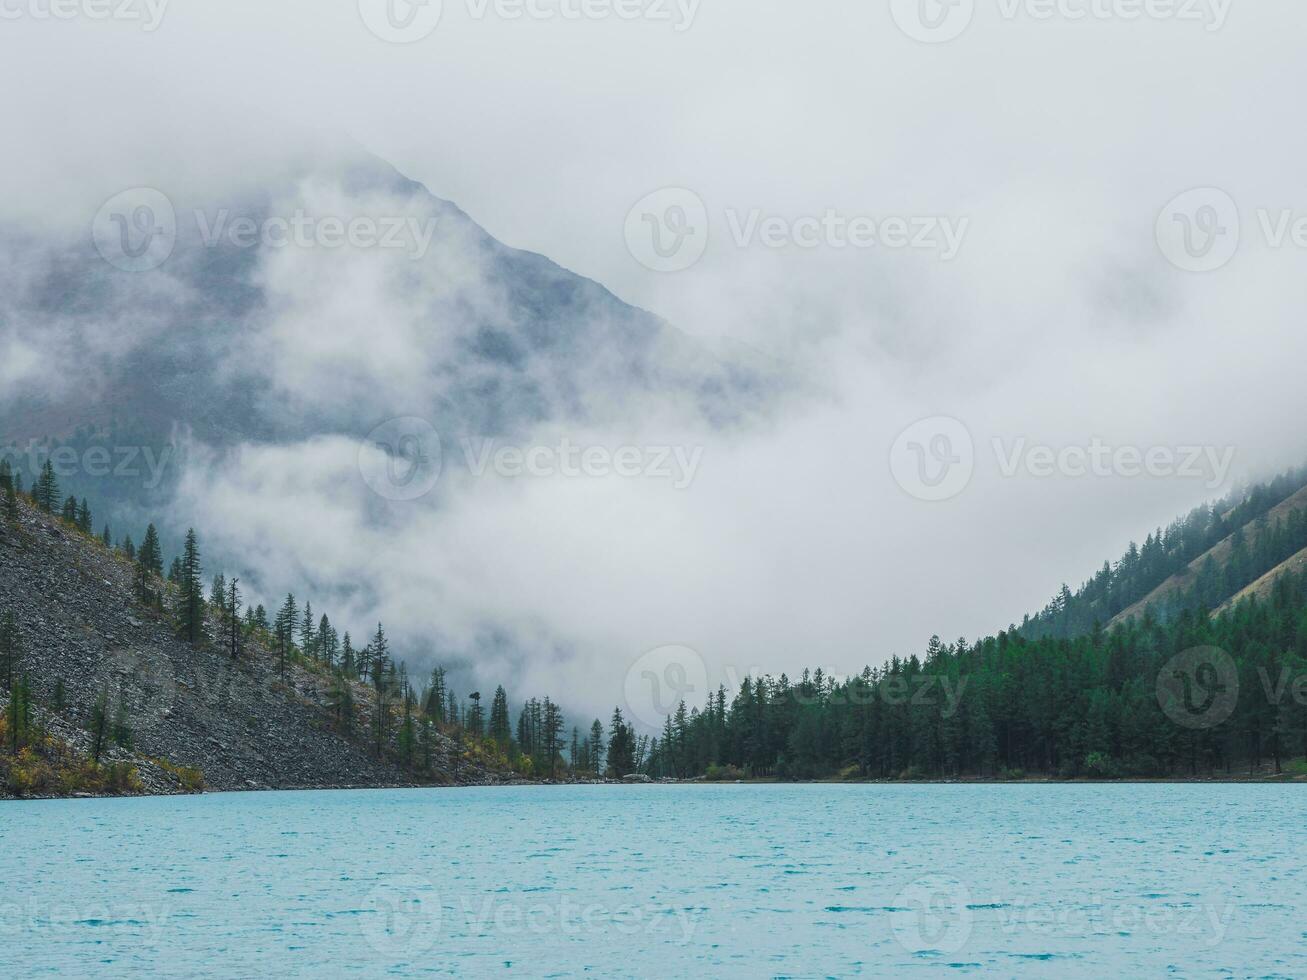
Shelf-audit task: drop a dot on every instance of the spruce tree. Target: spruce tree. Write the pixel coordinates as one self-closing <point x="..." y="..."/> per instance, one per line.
<point x="19" y="713"/>
<point x="382" y="674"/>
<point x="326" y="642"/>
<point x="122" y="729"/>
<point x="436" y="695"/>
<point x="500" y="729"/>
<point x="474" y="717"/>
<point x="11" y="651"/>
<point x="232" y="605"/>
<point x="284" y="630"/>
<point x="45" y="491"/>
<point x="596" y="750"/>
<point x="621" y="746"/>
<point x="100" y="723"/>
<point x="218" y="593"/>
<point x="308" y="637"/>
<point x="191" y="599"/>
<point x="150" y="554"/>
<point x="348" y="667"/>
<point x="553" y="731"/>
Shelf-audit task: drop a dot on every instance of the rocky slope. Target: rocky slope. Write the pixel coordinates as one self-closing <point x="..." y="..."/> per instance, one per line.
<point x="237" y="722"/>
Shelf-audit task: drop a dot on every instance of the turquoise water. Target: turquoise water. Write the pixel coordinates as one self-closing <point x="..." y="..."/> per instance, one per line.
<point x="662" y="881"/>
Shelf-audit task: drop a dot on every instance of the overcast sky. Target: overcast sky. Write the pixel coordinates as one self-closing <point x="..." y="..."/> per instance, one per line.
<point x="1051" y="302"/>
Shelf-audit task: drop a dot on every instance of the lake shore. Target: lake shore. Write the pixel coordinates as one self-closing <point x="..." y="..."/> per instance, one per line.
<point x="1266" y="778"/>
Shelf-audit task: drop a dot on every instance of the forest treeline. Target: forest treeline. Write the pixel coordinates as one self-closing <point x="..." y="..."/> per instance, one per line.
<point x="1047" y="698"/>
<point x="1008" y="706"/>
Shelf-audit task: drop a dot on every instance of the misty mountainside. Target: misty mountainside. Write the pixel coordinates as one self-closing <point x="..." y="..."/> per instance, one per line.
<point x="1212" y="558"/>
<point x="99" y="694"/>
<point x="237" y="337"/>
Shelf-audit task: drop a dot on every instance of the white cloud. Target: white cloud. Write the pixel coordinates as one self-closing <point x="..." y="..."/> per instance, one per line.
<point x="1058" y="321"/>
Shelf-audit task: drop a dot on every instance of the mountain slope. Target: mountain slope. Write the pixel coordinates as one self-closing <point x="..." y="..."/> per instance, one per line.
<point x="1203" y="558"/>
<point x="1262" y="588"/>
<point x="1171" y="592"/>
<point x="84" y="637"/>
<point x="500" y="335"/>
